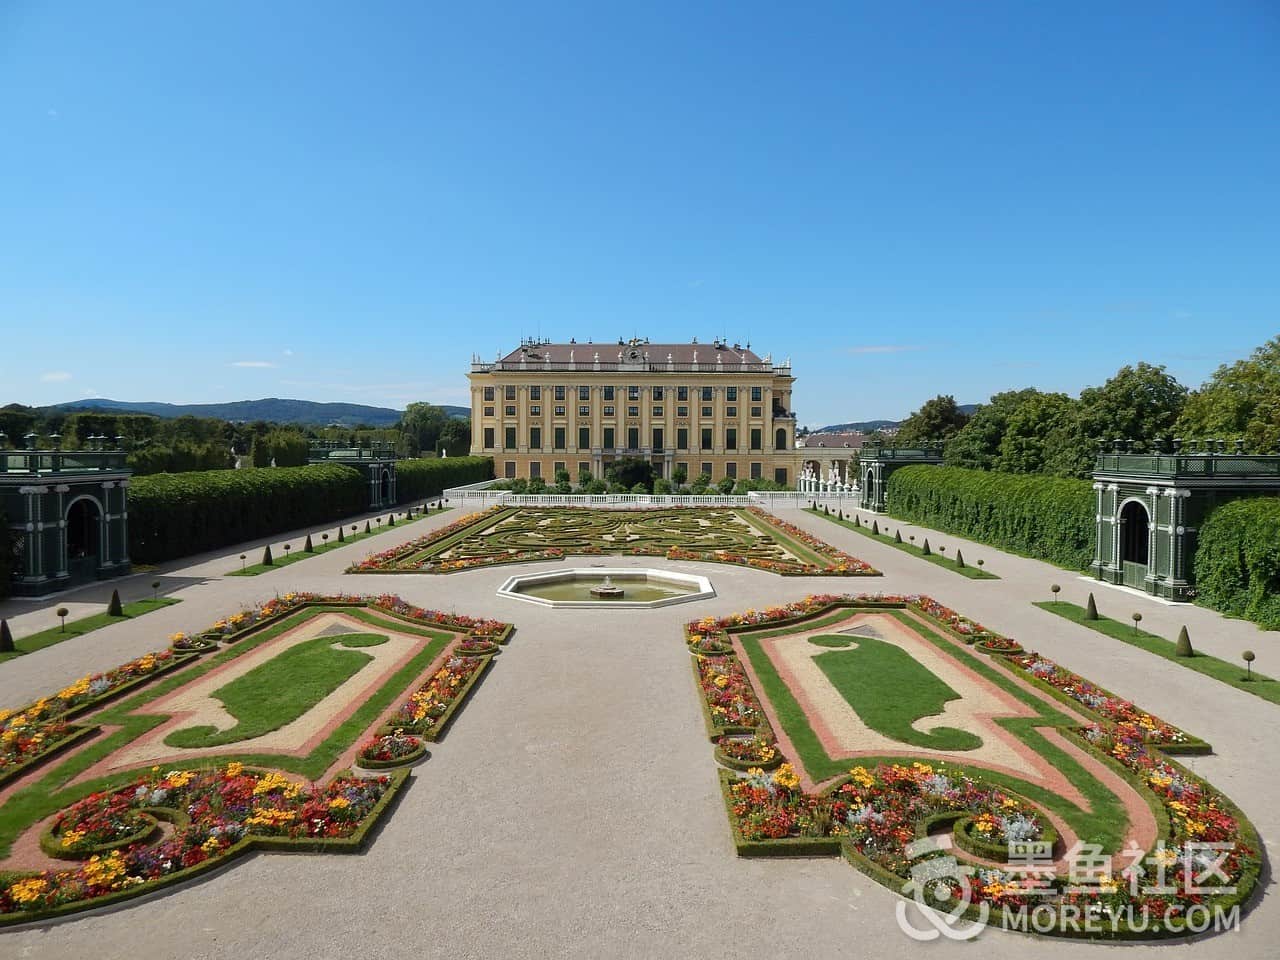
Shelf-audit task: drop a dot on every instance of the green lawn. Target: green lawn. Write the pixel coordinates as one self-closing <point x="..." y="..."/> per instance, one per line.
<point x="1225" y="671"/>
<point x="890" y="690"/>
<point x="942" y="560"/>
<point x="59" y="787"/>
<point x="284" y="558"/>
<point x="78" y="628"/>
<point x="1104" y="823"/>
<point x="281" y="690"/>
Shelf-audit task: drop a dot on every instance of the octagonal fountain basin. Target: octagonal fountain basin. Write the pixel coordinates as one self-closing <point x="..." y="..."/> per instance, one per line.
<point x="626" y="588"/>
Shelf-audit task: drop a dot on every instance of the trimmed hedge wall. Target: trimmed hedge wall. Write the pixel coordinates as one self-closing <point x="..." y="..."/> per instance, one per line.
<point x="1048" y="518"/>
<point x="6" y="556"/>
<point x="420" y="479"/>
<point x="177" y="514"/>
<point x="1237" y="561"/>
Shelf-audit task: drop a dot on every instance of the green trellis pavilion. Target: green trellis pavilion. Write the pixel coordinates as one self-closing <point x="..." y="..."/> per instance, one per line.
<point x="67" y="512"/>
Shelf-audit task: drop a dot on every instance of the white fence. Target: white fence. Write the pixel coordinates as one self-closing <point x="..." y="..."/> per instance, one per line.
<point x="478" y="495"/>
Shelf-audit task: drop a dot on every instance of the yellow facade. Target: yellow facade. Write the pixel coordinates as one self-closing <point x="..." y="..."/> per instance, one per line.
<point x="578" y="406"/>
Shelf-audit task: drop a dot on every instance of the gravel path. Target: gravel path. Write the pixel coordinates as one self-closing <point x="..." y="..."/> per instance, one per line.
<point x="573" y="809"/>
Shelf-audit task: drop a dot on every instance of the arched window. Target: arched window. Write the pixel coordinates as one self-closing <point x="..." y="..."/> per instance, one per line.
<point x="780" y="439"/>
<point x="1134" y="533"/>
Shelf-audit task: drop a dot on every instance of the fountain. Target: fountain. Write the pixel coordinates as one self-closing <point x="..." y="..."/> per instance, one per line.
<point x="607" y="590"/>
<point x="596" y="587"/>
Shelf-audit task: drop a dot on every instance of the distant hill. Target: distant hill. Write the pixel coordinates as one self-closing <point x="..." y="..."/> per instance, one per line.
<point x="867" y="426"/>
<point x="306" y="412"/>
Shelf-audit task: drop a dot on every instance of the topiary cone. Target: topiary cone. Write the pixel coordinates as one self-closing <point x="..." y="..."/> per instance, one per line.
<point x="341" y="538"/>
<point x="307" y="547"/>
<point x="839" y="514"/>
<point x="366" y="526"/>
<point x="856" y="522"/>
<point x="267" y="561"/>
<point x="925" y="549"/>
<point x="897" y="536"/>
<point x="1091" y="609"/>
<point x="113" y="608"/>
<point x="391" y="520"/>
<point x="1183" y="648"/>
<point x="959" y="559"/>
<point x="6" y="638"/>
<point x="875" y="527"/>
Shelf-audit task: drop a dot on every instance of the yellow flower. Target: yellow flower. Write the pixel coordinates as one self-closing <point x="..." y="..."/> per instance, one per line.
<point x="785" y="777"/>
<point x="29" y="890"/>
<point x="862" y="778"/>
<point x="179" y="778"/>
<point x="71" y="837"/>
<point x="210" y="845"/>
<point x="106" y="871"/>
<point x="235" y="768"/>
<point x="339" y="803"/>
<point x="1108" y="884"/>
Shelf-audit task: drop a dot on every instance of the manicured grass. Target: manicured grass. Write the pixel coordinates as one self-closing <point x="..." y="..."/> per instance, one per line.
<point x="59" y="787"/>
<point x="831" y="641"/>
<point x="890" y="690"/>
<point x="1105" y="822"/>
<point x="293" y="556"/>
<point x="942" y="560"/>
<point x="281" y="690"/>
<point x="1232" y="674"/>
<point x="78" y="628"/>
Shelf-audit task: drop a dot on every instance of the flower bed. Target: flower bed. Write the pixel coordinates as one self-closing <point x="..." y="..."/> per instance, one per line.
<point x="395" y="749"/>
<point x="185" y="643"/>
<point x="97" y="824"/>
<point x="730" y="703"/>
<point x="744" y="753"/>
<point x="218" y="813"/>
<point x="429" y="709"/>
<point x="999" y="646"/>
<point x="38" y="729"/>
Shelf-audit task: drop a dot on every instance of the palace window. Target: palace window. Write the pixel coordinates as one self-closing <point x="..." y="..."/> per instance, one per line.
<point x="731" y="470"/>
<point x="657" y="392"/>
<point x="706" y="439"/>
<point x="657" y="439"/>
<point x="731" y="439"/>
<point x="755" y="413"/>
<point x="608" y="438"/>
<point x="657" y="411"/>
<point x="509" y="438"/>
<point x="633" y="411"/>
<point x="608" y="410"/>
<point x="557" y="441"/>
<point x="584" y="438"/>
<point x="608" y="393"/>
<point x="682" y="393"/>
<point x="584" y="409"/>
<point x="535" y="393"/>
<point x="535" y="409"/>
<point x="706" y="411"/>
<point x="757" y="394"/>
<point x="509" y="410"/>
<point x="682" y="411"/>
<point x="707" y="394"/>
<point x="509" y="392"/>
<point x="755" y="438"/>
<point x="488" y="438"/>
<point x="633" y="438"/>
<point x="488" y="393"/>
<point x="730" y="411"/>
<point x="756" y="468"/>
<point x="633" y="393"/>
<point x="559" y="393"/>
<point x="488" y="411"/>
<point x="731" y="394"/>
<point x="560" y="410"/>
<point x="584" y="393"/>
<point x="682" y="438"/>
<point x="535" y="438"/>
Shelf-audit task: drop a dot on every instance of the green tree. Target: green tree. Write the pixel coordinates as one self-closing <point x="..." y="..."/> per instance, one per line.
<point x="977" y="444"/>
<point x="1023" y="446"/>
<point x="1241" y="400"/>
<point x="629" y="471"/>
<point x="937" y="419"/>
<point x="422" y="425"/>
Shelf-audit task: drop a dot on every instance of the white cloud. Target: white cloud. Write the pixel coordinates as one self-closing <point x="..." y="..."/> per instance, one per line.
<point x="883" y="348"/>
<point x="255" y="364"/>
<point x="55" y="376"/>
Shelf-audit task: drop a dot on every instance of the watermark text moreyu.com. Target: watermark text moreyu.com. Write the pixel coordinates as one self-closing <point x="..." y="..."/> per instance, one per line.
<point x="1094" y="919"/>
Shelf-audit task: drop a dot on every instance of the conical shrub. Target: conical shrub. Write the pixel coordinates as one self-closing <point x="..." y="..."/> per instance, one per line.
<point x="114" y="609"/>
<point x="307" y="546"/>
<point x="856" y="521"/>
<point x="6" y="638"/>
<point x="267" y="561"/>
<point x="366" y="526"/>
<point x="341" y="538"/>
<point x="391" y="520"/>
<point x="875" y="527"/>
<point x="1091" y="609"/>
<point x="959" y="559"/>
<point x="1183" y="648"/>
<point x="925" y="549"/>
<point x="897" y="536"/>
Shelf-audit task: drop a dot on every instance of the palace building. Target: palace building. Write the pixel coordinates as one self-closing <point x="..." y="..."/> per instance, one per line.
<point x="714" y="408"/>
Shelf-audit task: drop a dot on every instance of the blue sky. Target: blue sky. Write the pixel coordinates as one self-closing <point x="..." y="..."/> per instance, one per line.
<point x="341" y="201"/>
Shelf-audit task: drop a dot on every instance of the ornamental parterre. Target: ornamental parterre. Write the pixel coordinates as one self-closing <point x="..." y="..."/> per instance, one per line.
<point x="748" y="537"/>
<point x="1207" y="855"/>
<point x="160" y="827"/>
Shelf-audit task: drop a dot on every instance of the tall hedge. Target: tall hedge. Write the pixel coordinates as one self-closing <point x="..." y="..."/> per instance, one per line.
<point x="178" y="514"/>
<point x="1237" y="563"/>
<point x="6" y="556"/>
<point x="420" y="479"/>
<point x="1049" y="518"/>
